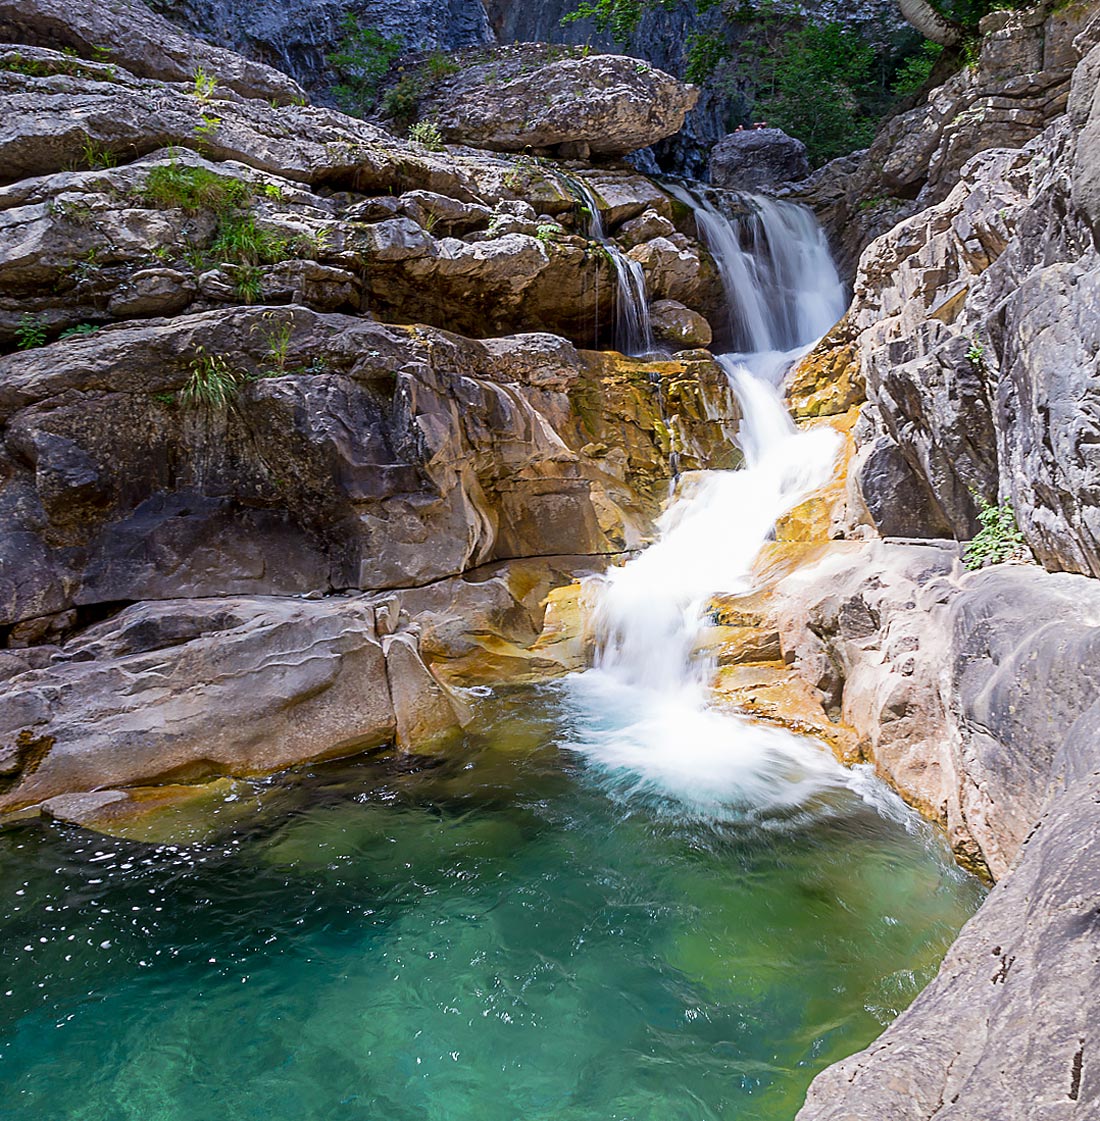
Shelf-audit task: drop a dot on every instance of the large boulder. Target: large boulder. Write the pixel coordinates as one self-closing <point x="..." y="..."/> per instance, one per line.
<point x="758" y="159"/>
<point x="351" y="455"/>
<point x="521" y="98"/>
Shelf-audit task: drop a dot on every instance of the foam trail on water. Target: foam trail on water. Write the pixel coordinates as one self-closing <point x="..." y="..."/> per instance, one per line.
<point x="642" y="712"/>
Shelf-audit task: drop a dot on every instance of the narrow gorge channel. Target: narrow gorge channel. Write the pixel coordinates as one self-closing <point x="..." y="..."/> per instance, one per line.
<point x="613" y="902"/>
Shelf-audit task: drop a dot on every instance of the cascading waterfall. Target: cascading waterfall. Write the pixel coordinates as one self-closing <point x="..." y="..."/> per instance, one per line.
<point x="633" y="329"/>
<point x="654" y="729"/>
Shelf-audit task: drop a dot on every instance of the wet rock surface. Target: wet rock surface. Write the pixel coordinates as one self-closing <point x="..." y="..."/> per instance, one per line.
<point x="266" y="363"/>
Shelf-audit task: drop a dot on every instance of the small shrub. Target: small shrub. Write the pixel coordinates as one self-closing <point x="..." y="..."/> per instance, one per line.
<point x="277" y="339"/>
<point x="212" y="383"/>
<point x="240" y="241"/>
<point x="428" y="134"/>
<point x="204" y="86"/>
<point x="30" y="332"/>
<point x="976" y="354"/>
<point x="249" y="283"/>
<point x="998" y="540"/>
<point x="174" y="185"/>
<point x="915" y="71"/>
<point x="205" y="130"/>
<point x="439" y="66"/>
<point x="96" y="156"/>
<point x="402" y="100"/>
<point x="547" y="233"/>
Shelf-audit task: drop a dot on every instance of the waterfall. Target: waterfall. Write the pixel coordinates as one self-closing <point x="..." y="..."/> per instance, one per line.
<point x="647" y="720"/>
<point x="633" y="329"/>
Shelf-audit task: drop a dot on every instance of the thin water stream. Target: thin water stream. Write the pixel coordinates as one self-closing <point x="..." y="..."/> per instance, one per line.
<point x="614" y="904"/>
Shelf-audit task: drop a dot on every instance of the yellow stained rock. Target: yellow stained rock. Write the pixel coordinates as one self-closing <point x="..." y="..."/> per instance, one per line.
<point x="827" y="381"/>
<point x="775" y="694"/>
<point x="815" y="518"/>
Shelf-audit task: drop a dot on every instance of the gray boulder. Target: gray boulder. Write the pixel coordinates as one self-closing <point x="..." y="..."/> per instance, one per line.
<point x="758" y="159"/>
<point x="601" y="105"/>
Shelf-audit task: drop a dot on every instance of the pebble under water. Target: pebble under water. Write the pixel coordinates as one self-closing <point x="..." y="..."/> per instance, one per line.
<point x="503" y="934"/>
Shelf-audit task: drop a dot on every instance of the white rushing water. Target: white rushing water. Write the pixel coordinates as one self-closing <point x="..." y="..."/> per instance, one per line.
<point x="642" y="709"/>
<point x="633" y="329"/>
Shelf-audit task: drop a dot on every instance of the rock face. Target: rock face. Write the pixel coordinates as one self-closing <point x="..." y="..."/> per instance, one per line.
<point x="297" y="35"/>
<point x="759" y="159"/>
<point x="973" y="329"/>
<point x="127" y="34"/>
<point x="521" y="98"/>
<point x="977" y="349"/>
<point x="368" y="457"/>
<point x="1001" y="685"/>
<point x="274" y="381"/>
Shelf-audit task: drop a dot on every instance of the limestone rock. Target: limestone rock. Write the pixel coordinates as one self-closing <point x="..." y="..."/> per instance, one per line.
<point x="1002" y="1031"/>
<point x="190" y="690"/>
<point x="608" y="105"/>
<point x="361" y="456"/>
<point x="758" y="159"/>
<point x="128" y="34"/>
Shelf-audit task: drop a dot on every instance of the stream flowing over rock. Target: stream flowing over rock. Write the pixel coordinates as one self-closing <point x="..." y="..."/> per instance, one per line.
<point x="307" y="429"/>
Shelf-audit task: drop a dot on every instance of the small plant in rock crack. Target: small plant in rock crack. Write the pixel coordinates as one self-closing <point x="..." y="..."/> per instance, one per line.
<point x="95" y="156"/>
<point x="30" y="331"/>
<point x="176" y="185"/>
<point x="998" y="540"/>
<point x="976" y="354"/>
<point x="204" y="86"/>
<point x="79" y="331"/>
<point x="211" y="383"/>
<point x="277" y="339"/>
<point x="428" y="134"/>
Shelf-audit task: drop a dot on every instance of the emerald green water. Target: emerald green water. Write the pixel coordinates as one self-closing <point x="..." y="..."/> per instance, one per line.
<point x="510" y="934"/>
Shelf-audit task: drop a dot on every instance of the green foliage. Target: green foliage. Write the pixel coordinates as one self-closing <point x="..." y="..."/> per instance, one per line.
<point x="79" y="331"/>
<point x="211" y="383"/>
<point x="917" y="69"/>
<point x="96" y="156"/>
<point x="817" y="80"/>
<point x="998" y="540"/>
<point x="277" y="337"/>
<point x="30" y="332"/>
<point x="402" y="100"/>
<point x="193" y="189"/>
<point x="204" y="85"/>
<point x="620" y="17"/>
<point x="976" y="354"/>
<point x="428" y="134"/>
<point x="206" y="128"/>
<point x="706" y="50"/>
<point x="362" y="61"/>
<point x="548" y="233"/>
<point x="240" y="241"/>
<point x="439" y="65"/>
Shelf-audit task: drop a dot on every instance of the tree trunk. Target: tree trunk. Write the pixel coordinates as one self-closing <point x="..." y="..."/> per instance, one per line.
<point x="930" y="23"/>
